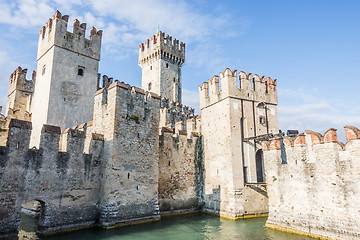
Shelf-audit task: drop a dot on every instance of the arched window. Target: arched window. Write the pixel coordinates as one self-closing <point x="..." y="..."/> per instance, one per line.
<point x="149" y="87"/>
<point x="167" y="65"/>
<point x="259" y="166"/>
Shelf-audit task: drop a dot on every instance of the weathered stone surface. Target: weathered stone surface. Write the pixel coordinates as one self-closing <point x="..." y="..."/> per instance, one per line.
<point x="68" y="187"/>
<point x="227" y="118"/>
<point x="19" y="95"/>
<point x="178" y="186"/>
<point x="102" y="162"/>
<point x="67" y="79"/>
<point x="313" y="186"/>
<point x="129" y="121"/>
<point x="161" y="60"/>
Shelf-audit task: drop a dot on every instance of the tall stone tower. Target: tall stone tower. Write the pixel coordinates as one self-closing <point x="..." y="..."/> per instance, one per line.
<point x="232" y="119"/>
<point x="161" y="61"/>
<point x="67" y="79"/>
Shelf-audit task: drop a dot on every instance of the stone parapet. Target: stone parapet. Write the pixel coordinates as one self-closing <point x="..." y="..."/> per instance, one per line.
<point x="55" y="33"/>
<point x="63" y="181"/>
<point x="161" y="47"/>
<point x="239" y="86"/>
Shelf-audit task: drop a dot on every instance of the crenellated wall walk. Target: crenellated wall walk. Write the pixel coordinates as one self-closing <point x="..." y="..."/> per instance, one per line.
<point x="313" y="184"/>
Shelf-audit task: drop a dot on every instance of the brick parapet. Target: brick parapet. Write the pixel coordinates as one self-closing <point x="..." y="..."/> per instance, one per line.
<point x="161" y="47"/>
<point x="312" y="181"/>
<point x="314" y="138"/>
<point x="241" y="86"/>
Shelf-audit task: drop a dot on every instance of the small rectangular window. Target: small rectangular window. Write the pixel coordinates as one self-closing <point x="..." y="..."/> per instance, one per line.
<point x="262" y="120"/>
<point x="81" y="71"/>
<point x="43" y="69"/>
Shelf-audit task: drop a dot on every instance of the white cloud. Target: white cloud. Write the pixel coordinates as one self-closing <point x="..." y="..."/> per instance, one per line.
<point x="127" y="23"/>
<point x="25" y="13"/>
<point x="5" y="69"/>
<point x="191" y="98"/>
<point x="309" y="110"/>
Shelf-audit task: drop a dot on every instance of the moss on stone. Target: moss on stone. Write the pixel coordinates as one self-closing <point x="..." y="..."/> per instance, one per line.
<point x="135" y="118"/>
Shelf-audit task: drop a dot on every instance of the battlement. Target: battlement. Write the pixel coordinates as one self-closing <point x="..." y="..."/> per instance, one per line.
<point x="18" y="81"/>
<point x="51" y="139"/>
<point x="314" y="138"/>
<point x="55" y="33"/>
<point x="20" y="94"/>
<point x="161" y="47"/>
<point x="134" y="91"/>
<point x="120" y="100"/>
<point x="175" y="115"/>
<point x="315" y="177"/>
<point x="247" y="86"/>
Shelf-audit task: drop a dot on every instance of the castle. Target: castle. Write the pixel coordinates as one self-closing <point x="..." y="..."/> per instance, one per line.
<point x="90" y="153"/>
<point x="76" y="151"/>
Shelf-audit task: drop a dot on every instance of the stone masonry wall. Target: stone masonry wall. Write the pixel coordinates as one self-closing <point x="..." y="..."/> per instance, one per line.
<point x="67" y="79"/>
<point x="19" y="95"/>
<point x="3" y="130"/>
<point x="161" y="60"/>
<point x="68" y="183"/>
<point x="228" y="116"/>
<point x="175" y="115"/>
<point x="178" y="186"/>
<point x="313" y="184"/>
<point x="128" y="117"/>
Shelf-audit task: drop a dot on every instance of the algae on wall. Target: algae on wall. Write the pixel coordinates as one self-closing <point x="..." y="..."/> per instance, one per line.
<point x="199" y="161"/>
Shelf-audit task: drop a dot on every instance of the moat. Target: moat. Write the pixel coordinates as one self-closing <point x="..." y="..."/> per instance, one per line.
<point x="192" y="226"/>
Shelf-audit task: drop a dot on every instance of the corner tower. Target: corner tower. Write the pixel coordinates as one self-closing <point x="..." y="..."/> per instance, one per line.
<point x="67" y="67"/>
<point x="161" y="60"/>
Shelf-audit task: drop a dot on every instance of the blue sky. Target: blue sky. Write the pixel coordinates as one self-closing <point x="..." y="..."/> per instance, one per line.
<point x="311" y="47"/>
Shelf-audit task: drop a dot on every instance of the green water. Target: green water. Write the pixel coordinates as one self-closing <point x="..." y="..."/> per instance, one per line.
<point x="192" y="226"/>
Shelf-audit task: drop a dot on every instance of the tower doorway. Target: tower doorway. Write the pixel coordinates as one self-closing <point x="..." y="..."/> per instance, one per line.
<point x="259" y="166"/>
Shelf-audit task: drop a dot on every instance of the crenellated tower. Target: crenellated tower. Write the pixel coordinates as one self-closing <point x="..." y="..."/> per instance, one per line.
<point x="161" y="59"/>
<point x="67" y="67"/>
<point x="236" y="110"/>
<point x="20" y="95"/>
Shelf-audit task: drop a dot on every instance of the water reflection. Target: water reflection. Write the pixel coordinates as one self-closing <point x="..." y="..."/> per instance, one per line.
<point x="194" y="226"/>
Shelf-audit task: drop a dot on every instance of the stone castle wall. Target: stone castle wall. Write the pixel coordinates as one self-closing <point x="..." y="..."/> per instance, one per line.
<point x="313" y="184"/>
<point x="67" y="183"/>
<point x="178" y="171"/>
<point x="106" y="170"/>
<point x="177" y="116"/>
<point x="128" y="117"/>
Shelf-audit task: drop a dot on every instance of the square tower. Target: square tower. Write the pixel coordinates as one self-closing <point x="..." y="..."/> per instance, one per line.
<point x="161" y="61"/>
<point x="67" y="66"/>
<point x="233" y="116"/>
